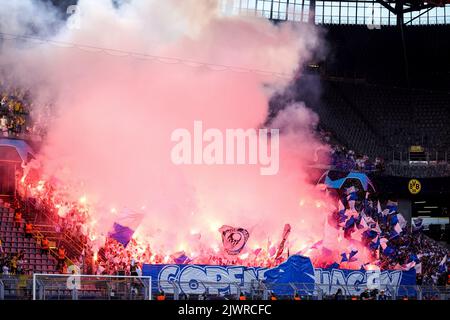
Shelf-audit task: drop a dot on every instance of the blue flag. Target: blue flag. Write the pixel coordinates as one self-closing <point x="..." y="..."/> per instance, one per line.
<point x="389" y="251"/>
<point x="394" y="220"/>
<point x="334" y="265"/>
<point x="375" y="244"/>
<point x="352" y="253"/>
<point x="180" y="258"/>
<point x="350" y="223"/>
<point x="443" y="265"/>
<point x="125" y="225"/>
<point x="392" y="206"/>
<point x="121" y="234"/>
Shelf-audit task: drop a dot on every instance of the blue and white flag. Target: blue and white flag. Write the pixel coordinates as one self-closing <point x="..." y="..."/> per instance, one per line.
<point x="401" y="220"/>
<point x="351" y="256"/>
<point x="394" y="220"/>
<point x="418" y="224"/>
<point x="408" y="266"/>
<point x="393" y="234"/>
<point x="180" y="258"/>
<point x="443" y="265"/>
<point x="418" y="267"/>
<point x="379" y="211"/>
<point x="413" y="257"/>
<point x="363" y="221"/>
<point x="375" y="243"/>
<point x="125" y="225"/>
<point x="392" y="206"/>
<point x="352" y="197"/>
<point x="398" y="228"/>
<point x="350" y="223"/>
<point x="334" y="265"/>
<point x="389" y="251"/>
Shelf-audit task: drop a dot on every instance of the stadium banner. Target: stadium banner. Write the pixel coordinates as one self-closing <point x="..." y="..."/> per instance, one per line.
<point x="224" y="280"/>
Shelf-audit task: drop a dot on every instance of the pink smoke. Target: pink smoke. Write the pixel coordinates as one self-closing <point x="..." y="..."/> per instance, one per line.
<point x="113" y="118"/>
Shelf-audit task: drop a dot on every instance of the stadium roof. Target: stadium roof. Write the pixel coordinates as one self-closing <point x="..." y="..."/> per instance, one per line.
<point x="15" y="150"/>
<point x="366" y="12"/>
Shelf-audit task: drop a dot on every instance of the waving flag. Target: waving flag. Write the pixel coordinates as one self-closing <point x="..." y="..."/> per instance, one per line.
<point x="370" y="234"/>
<point x="334" y="265"/>
<point x="286" y="231"/>
<point x="401" y="220"/>
<point x="365" y="221"/>
<point x="443" y="265"/>
<point x="366" y="206"/>
<point x="352" y="194"/>
<point x="233" y="239"/>
<point x="379" y="211"/>
<point x="383" y="243"/>
<point x="352" y="254"/>
<point x="350" y="223"/>
<point x="389" y="251"/>
<point x="349" y="227"/>
<point x="393" y="220"/>
<point x="377" y="228"/>
<point x="341" y="206"/>
<point x="398" y="228"/>
<point x="272" y="251"/>
<point x="418" y="224"/>
<point x="395" y="232"/>
<point x="408" y="266"/>
<point x="392" y="206"/>
<point x="180" y="257"/>
<point x="342" y="217"/>
<point x="413" y="257"/>
<point x="418" y="267"/>
<point x="125" y="225"/>
<point x="375" y="243"/>
<point x="352" y="197"/>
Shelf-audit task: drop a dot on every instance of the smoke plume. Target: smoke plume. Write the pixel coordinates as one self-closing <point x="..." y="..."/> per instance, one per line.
<point x="167" y="64"/>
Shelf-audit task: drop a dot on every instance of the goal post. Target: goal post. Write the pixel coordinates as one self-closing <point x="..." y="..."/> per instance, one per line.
<point x="91" y="287"/>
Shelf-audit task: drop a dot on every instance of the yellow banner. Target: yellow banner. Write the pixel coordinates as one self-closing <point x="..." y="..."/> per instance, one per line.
<point x="416" y="149"/>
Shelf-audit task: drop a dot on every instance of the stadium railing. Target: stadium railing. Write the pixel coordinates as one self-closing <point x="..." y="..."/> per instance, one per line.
<point x="92" y="287"/>
<point x="95" y="287"/>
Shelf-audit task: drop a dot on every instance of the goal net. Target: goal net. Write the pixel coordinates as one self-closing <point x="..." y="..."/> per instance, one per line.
<point x="91" y="287"/>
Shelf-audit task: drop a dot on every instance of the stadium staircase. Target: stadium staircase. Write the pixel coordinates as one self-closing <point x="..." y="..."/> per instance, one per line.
<point x="20" y="286"/>
<point x="46" y="225"/>
<point x="14" y="241"/>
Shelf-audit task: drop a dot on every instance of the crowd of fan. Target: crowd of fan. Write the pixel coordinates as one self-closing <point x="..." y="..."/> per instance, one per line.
<point x="114" y="258"/>
<point x="345" y="159"/>
<point x="12" y="263"/>
<point x="405" y="247"/>
<point x="16" y="113"/>
<point x="395" y="249"/>
<point x="14" y="110"/>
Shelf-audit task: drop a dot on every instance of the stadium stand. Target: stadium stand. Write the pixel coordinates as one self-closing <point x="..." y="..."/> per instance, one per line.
<point x="369" y="115"/>
<point x="382" y="121"/>
<point x="25" y="251"/>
